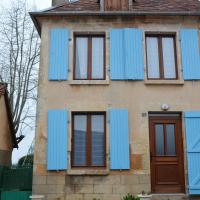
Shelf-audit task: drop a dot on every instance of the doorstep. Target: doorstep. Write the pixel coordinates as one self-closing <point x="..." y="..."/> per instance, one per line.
<point x="168" y="196"/>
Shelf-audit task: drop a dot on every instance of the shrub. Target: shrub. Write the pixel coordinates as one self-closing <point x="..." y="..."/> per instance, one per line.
<point x="25" y="161"/>
<point x="130" y="197"/>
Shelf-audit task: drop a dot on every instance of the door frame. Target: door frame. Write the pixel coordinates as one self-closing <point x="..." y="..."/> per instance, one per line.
<point x="167" y="116"/>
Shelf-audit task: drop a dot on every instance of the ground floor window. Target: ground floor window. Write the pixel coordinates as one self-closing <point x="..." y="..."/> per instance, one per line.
<point x="88" y="139"/>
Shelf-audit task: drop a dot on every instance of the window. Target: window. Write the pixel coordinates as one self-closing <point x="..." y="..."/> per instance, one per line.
<point x="88" y="140"/>
<point x="161" y="56"/>
<point x="89" y="57"/>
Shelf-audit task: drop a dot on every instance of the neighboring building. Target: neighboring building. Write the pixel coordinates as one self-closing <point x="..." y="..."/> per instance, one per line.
<point x="7" y="136"/>
<point x="119" y="99"/>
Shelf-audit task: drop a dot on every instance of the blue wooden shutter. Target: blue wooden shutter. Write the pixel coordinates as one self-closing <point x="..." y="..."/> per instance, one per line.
<point x="58" y="57"/>
<point x="126" y="54"/>
<point x="134" y="58"/>
<point x="119" y="139"/>
<point x="117" y="70"/>
<point x="57" y="140"/>
<point x="192" y="123"/>
<point x="190" y="54"/>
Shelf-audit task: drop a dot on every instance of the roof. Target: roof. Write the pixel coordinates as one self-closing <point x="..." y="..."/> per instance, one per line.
<point x="139" y="7"/>
<point x="4" y="92"/>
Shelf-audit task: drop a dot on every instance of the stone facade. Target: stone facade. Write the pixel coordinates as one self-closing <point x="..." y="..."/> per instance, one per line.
<point x="139" y="97"/>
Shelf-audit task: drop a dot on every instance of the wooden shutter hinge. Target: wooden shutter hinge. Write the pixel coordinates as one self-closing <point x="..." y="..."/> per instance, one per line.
<point x="70" y="39"/>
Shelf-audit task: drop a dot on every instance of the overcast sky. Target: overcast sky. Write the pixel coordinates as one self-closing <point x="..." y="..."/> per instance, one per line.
<point x="40" y="4"/>
<point x="26" y="143"/>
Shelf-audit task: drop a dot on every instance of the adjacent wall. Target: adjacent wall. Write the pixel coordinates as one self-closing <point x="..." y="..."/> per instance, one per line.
<point x="5" y="136"/>
<point x="139" y="97"/>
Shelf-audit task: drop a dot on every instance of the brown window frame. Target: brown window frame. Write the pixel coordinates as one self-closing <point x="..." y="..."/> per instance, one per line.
<point x="90" y="35"/>
<point x="160" y="35"/>
<point x="88" y="140"/>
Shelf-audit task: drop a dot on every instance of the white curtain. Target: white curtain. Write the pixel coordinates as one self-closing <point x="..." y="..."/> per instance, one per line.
<point x="153" y="58"/>
<point x="168" y="57"/>
<point x="97" y="58"/>
<point x="98" y="140"/>
<point x="80" y="129"/>
<point x="81" y="57"/>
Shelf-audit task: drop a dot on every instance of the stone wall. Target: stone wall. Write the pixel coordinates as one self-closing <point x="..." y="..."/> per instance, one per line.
<point x="112" y="187"/>
<point x="139" y="97"/>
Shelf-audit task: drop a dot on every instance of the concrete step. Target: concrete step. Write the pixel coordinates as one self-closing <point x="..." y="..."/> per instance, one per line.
<point x="170" y="197"/>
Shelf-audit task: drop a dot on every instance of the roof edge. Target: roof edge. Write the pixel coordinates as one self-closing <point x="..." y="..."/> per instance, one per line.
<point x="107" y="13"/>
<point x="34" y="15"/>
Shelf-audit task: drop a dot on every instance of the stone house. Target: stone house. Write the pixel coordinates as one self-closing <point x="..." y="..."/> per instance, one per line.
<point x="118" y="100"/>
<point x="7" y="136"/>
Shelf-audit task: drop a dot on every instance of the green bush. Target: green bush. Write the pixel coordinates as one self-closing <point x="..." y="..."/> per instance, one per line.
<point x="130" y="197"/>
<point x="25" y="161"/>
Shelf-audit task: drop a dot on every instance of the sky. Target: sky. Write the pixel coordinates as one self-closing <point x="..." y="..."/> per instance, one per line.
<point x="40" y="4"/>
<point x="26" y="143"/>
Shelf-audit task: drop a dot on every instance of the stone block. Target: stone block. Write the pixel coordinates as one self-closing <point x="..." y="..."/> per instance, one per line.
<point x="74" y="197"/>
<point x="111" y="197"/>
<point x="121" y="189"/>
<point x="144" y="179"/>
<point x="39" y="180"/>
<point x="136" y="161"/>
<point x="103" y="189"/>
<point x="129" y="179"/>
<point x="69" y="189"/>
<point x="76" y="180"/>
<point x="54" y="197"/>
<point x="83" y="188"/>
<point x="107" y="180"/>
<point x="48" y="189"/>
<point x="56" y="180"/>
<point x="93" y="196"/>
<point x="40" y="169"/>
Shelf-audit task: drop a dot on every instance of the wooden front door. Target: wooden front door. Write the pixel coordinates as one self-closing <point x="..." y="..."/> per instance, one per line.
<point x="166" y="152"/>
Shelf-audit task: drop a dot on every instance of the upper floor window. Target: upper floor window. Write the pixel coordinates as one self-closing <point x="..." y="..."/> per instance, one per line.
<point x="161" y="56"/>
<point x="89" y="54"/>
<point x="88" y="140"/>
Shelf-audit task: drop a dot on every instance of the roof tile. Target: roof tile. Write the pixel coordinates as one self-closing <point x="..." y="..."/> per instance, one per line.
<point x="138" y="6"/>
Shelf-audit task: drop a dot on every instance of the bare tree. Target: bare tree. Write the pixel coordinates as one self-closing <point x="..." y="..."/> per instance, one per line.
<point x="19" y="57"/>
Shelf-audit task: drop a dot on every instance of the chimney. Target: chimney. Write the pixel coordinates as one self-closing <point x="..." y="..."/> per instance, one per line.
<point x="57" y="2"/>
<point x="116" y="5"/>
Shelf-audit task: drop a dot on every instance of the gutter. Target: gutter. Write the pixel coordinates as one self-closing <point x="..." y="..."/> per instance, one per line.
<point x="34" y="15"/>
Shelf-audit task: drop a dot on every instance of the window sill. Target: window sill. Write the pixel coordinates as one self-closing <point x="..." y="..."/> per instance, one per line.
<point x="164" y="82"/>
<point x="98" y="172"/>
<point x="89" y="82"/>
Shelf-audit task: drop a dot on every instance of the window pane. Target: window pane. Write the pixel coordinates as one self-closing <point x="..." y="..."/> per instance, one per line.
<point x="80" y="127"/>
<point x="171" y="149"/>
<point x="97" y="58"/>
<point x="98" y="140"/>
<point x="81" y="57"/>
<point x="159" y="140"/>
<point x="153" y="57"/>
<point x="168" y="57"/>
